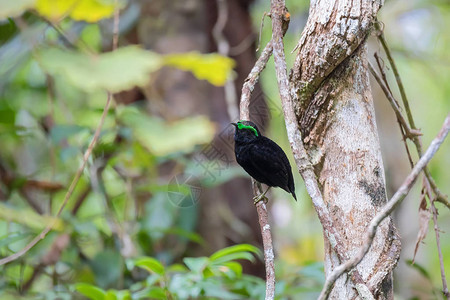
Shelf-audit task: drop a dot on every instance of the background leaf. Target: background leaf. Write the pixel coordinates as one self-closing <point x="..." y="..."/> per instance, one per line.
<point x="163" y="138"/>
<point x="213" y="67"/>
<point x="11" y="9"/>
<point x="90" y="291"/>
<point x="80" y="10"/>
<point x="150" y="264"/>
<point x="113" y="71"/>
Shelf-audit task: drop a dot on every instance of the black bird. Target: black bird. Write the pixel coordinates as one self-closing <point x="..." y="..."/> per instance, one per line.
<point x="262" y="158"/>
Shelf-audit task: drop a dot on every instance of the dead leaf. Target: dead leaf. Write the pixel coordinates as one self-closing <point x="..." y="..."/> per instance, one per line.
<point x="424" y="219"/>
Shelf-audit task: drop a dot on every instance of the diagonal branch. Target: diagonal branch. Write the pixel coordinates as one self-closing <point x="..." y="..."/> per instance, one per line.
<point x="387" y="210"/>
<point x="410" y="133"/>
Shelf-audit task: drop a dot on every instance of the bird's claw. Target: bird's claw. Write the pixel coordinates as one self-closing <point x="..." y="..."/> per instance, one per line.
<point x="261" y="197"/>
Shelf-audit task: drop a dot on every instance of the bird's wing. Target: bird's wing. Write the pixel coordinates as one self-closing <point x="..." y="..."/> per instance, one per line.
<point x="268" y="164"/>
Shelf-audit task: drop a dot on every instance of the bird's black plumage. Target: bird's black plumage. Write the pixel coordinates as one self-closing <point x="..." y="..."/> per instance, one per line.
<point x="262" y="158"/>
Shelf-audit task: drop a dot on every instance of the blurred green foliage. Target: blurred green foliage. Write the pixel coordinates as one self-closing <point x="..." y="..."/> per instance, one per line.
<point x="129" y="228"/>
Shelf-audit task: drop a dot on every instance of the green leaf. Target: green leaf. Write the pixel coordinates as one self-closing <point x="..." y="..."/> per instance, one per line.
<point x="113" y="71"/>
<point x="196" y="264"/>
<point x="59" y="133"/>
<point x="107" y="267"/>
<point x="233" y="256"/>
<point x="13" y="237"/>
<point x="162" y="138"/>
<point x="212" y="67"/>
<point x="191" y="236"/>
<point x="419" y="268"/>
<point x="80" y="10"/>
<point x="150" y="264"/>
<point x="90" y="291"/>
<point x="234" y="252"/>
<point x="29" y="218"/>
<point x="177" y="268"/>
<point x="14" y="8"/>
<point x="234" y="268"/>
<point x="110" y="295"/>
<point x="156" y="293"/>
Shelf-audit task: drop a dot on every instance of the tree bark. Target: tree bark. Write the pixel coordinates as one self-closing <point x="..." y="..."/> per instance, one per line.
<point x="329" y="85"/>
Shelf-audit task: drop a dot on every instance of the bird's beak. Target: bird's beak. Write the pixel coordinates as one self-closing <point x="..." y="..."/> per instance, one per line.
<point x="234" y="124"/>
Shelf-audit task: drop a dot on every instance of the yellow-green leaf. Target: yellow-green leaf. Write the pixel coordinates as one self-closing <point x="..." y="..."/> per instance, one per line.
<point x="212" y="67"/>
<point x="28" y="218"/>
<point x="162" y="138"/>
<point x="14" y="8"/>
<point x="80" y="10"/>
<point x="114" y="71"/>
<point x="90" y="291"/>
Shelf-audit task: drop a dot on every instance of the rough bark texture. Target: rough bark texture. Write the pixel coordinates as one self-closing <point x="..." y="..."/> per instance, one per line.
<point x="334" y="106"/>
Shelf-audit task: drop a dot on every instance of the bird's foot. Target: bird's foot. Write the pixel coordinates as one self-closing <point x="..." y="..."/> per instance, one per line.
<point x="261" y="197"/>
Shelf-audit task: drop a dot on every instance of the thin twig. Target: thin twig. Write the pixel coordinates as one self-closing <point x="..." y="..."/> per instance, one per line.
<point x="78" y="174"/>
<point x="410" y="133"/>
<point x="382" y="40"/>
<point x="438" y="244"/>
<point x="224" y="48"/>
<point x="402" y="130"/>
<point x="387" y="210"/>
<point x="440" y="197"/>
<point x="252" y="79"/>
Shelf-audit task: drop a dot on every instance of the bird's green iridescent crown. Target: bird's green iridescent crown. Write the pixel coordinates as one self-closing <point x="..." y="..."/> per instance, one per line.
<point x="243" y="126"/>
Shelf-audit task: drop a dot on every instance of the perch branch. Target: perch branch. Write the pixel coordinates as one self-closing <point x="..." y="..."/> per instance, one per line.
<point x="387" y="210"/>
<point x="79" y="172"/>
<point x="261" y="208"/>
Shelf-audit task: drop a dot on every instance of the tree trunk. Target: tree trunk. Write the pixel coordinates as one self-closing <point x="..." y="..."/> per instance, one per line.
<point x="335" y="113"/>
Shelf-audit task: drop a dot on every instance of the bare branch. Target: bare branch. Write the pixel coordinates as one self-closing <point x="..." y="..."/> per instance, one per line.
<point x="79" y="172"/>
<point x="410" y="133"/>
<point x="382" y="40"/>
<point x="441" y="258"/>
<point x="247" y="89"/>
<point x="224" y="48"/>
<point x="252" y="79"/>
<point x="402" y="130"/>
<point x="440" y="197"/>
<point x="269" y="257"/>
<point x="387" y="210"/>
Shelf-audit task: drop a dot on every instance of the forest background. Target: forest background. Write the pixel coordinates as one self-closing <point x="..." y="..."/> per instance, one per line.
<point x="162" y="192"/>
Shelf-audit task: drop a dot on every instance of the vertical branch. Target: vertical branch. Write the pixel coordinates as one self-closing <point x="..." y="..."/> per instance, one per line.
<point x="261" y="208"/>
<point x="269" y="257"/>
<point x="438" y="244"/>
<point x="224" y="49"/>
